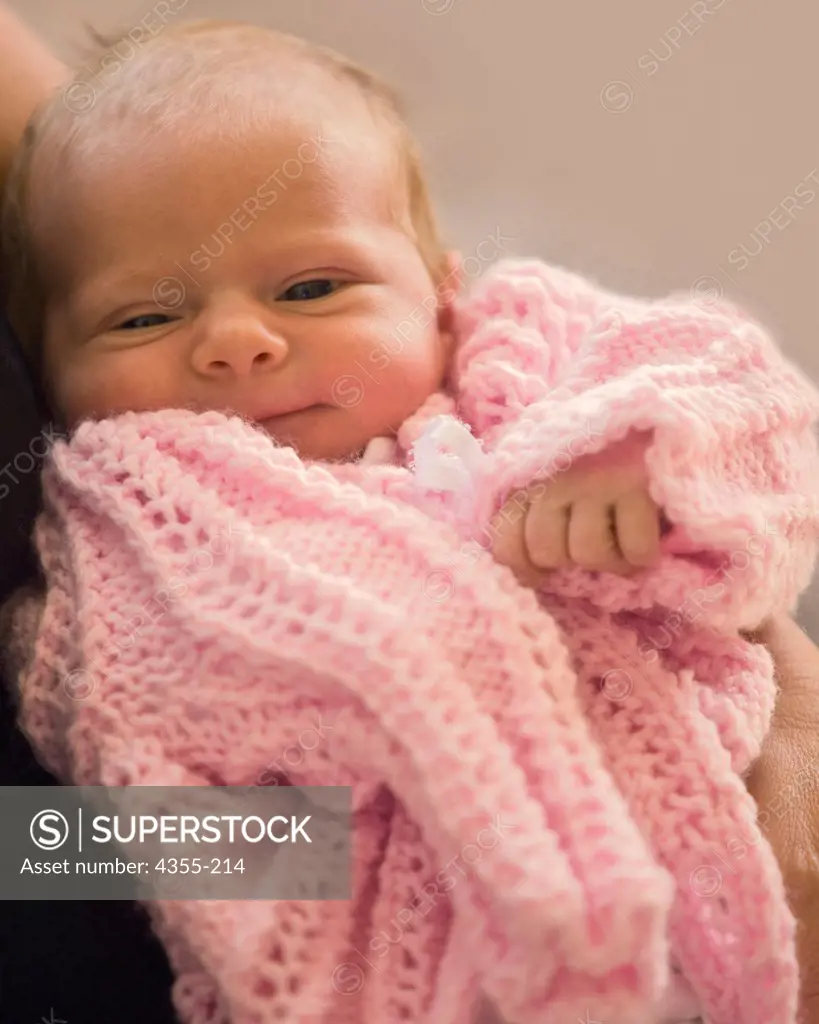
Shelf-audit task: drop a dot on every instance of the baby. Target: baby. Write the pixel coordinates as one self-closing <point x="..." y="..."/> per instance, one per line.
<point x="235" y="223"/>
<point x="252" y="250"/>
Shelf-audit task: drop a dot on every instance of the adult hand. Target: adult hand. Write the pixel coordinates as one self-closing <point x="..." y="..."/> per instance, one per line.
<point x="785" y="785"/>
<point x="28" y="73"/>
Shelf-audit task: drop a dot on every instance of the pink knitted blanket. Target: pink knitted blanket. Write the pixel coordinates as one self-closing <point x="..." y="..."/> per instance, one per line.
<point x="548" y="793"/>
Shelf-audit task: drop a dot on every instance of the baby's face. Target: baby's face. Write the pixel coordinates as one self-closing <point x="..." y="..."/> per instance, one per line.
<point x="270" y="278"/>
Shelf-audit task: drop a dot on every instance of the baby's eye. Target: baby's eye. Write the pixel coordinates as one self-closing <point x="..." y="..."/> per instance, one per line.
<point x="140" y="323"/>
<point x="305" y="291"/>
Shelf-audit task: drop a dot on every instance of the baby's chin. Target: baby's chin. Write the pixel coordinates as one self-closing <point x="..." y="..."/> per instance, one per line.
<point x="319" y="435"/>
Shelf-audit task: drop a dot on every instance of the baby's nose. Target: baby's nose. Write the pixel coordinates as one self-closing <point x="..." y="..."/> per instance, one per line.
<point x="239" y="346"/>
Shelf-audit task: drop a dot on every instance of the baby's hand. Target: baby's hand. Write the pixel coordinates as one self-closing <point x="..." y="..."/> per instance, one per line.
<point x="597" y="514"/>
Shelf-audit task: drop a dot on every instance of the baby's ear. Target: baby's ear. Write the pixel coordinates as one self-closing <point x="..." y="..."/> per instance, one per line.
<point x="451" y="277"/>
<point x="449" y="287"/>
<point x="447" y="291"/>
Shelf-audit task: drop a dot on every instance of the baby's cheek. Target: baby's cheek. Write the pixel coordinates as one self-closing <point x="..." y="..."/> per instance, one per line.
<point x="112" y="383"/>
<point x="413" y="352"/>
<point x="386" y="365"/>
<point x="407" y="380"/>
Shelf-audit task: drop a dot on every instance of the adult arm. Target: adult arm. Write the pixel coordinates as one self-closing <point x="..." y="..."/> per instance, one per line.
<point x="28" y="72"/>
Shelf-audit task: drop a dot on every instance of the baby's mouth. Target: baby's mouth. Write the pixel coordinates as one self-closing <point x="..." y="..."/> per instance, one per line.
<point x="270" y="419"/>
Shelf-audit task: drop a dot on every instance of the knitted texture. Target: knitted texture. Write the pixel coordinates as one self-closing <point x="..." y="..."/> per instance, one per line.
<point x="547" y="787"/>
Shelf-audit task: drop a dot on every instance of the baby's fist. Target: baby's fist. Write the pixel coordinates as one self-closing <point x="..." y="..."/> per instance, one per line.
<point x="597" y="515"/>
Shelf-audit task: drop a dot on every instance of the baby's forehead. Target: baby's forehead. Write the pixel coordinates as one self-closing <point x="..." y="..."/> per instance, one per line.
<point x="223" y="82"/>
<point x="293" y="174"/>
<point x="197" y="90"/>
<point x="310" y="133"/>
<point x="219" y="110"/>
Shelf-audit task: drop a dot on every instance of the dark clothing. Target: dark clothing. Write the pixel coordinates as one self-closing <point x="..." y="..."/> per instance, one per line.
<point x="82" y="963"/>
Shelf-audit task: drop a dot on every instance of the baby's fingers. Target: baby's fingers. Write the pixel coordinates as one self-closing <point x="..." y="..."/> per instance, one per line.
<point x="592" y="537"/>
<point x="637" y="525"/>
<point x="546" y="535"/>
<point x="507" y="530"/>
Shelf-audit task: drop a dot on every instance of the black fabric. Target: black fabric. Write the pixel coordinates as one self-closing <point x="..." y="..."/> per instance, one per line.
<point x="83" y="963"/>
<point x="22" y="442"/>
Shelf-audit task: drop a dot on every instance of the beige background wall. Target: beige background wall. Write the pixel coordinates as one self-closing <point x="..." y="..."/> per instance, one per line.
<point x="654" y="144"/>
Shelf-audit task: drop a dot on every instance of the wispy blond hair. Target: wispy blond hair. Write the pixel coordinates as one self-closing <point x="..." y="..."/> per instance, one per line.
<point x="164" y="80"/>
